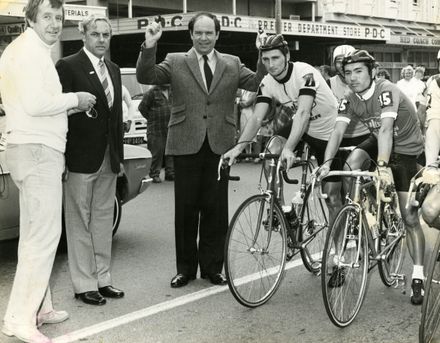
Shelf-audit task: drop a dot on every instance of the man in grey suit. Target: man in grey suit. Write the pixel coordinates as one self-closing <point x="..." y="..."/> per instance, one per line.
<point x="204" y="83"/>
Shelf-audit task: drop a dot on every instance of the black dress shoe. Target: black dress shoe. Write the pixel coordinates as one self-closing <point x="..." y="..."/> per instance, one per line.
<point x="181" y="280"/>
<point x="92" y="298"/>
<point x="216" y="279"/>
<point x="111" y="292"/>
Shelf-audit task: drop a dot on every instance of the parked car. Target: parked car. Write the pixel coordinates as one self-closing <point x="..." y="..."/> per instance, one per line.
<point x="133" y="181"/>
<point x="138" y="130"/>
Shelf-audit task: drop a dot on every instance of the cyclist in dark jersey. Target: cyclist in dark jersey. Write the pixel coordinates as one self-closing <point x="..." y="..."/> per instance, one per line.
<point x="395" y="142"/>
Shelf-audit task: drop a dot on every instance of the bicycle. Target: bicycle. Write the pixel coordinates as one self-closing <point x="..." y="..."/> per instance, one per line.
<point x="263" y="234"/>
<point x="367" y="231"/>
<point x="430" y="318"/>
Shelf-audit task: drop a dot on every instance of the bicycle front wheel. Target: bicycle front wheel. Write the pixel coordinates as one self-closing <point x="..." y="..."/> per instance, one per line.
<point x="391" y="238"/>
<point x="313" y="230"/>
<point x="345" y="267"/>
<point x="431" y="301"/>
<point x="255" y="251"/>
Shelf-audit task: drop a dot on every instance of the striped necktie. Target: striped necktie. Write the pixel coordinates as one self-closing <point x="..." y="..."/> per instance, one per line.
<point x="104" y="80"/>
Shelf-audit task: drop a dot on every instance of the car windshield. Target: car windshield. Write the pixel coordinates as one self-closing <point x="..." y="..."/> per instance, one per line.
<point x="134" y="87"/>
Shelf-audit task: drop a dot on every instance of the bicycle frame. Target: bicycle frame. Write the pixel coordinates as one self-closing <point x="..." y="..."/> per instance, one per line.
<point x="355" y="200"/>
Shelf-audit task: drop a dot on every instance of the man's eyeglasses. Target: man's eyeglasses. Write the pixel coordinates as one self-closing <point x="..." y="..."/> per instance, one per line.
<point x="92" y="113"/>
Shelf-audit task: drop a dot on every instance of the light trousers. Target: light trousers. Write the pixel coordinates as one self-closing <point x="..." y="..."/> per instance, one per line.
<point x="88" y="209"/>
<point x="36" y="169"/>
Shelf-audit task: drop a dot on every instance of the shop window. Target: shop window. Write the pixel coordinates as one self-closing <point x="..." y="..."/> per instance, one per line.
<point x="388" y="57"/>
<point x="411" y="56"/>
<point x="378" y="56"/>
<point x="425" y="58"/>
<point x="397" y="57"/>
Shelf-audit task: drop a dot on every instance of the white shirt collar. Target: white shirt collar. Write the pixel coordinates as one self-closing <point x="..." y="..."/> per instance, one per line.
<point x="210" y="55"/>
<point x="95" y="60"/>
<point x="368" y="94"/>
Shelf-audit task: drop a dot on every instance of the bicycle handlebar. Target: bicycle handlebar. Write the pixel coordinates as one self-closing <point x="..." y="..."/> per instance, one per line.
<point x="351" y="173"/>
<point x="263" y="156"/>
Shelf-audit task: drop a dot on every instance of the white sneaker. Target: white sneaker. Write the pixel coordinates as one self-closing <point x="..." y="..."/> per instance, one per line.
<point x="25" y="333"/>
<point x="52" y="317"/>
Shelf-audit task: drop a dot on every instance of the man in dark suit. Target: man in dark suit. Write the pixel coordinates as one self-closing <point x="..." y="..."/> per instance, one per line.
<point x="94" y="154"/>
<point x="204" y="83"/>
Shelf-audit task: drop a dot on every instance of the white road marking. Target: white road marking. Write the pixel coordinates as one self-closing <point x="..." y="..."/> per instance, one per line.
<point x="149" y="311"/>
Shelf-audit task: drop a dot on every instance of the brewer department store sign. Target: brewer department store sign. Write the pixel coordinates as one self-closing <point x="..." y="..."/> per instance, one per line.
<point x="250" y="24"/>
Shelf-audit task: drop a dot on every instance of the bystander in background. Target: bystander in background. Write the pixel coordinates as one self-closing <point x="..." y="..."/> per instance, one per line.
<point x="156" y="108"/>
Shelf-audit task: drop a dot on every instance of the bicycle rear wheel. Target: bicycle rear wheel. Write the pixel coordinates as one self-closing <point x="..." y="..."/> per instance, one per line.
<point x="345" y="267"/>
<point x="390" y="264"/>
<point x="255" y="261"/>
<point x="431" y="301"/>
<point x="313" y="230"/>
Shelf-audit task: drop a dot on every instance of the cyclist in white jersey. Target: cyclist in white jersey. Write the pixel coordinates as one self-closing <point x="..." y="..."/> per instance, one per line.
<point x="302" y="89"/>
<point x="395" y="142"/>
<point x="431" y="205"/>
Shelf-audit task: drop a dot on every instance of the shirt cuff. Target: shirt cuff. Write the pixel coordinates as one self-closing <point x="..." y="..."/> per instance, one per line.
<point x="72" y="100"/>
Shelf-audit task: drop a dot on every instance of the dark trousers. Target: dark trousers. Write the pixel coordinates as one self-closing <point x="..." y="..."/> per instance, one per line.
<point x="156" y="145"/>
<point x="201" y="209"/>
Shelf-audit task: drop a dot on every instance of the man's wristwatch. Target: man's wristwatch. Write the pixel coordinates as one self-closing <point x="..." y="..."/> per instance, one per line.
<point x="382" y="163"/>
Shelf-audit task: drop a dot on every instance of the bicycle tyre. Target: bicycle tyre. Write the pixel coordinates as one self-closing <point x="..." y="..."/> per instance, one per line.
<point x="254" y="274"/>
<point x="343" y="302"/>
<point x="392" y="227"/>
<point x="314" y="221"/>
<point x="431" y="301"/>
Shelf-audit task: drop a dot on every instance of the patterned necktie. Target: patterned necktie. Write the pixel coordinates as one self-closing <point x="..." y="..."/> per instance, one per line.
<point x="105" y="84"/>
<point x="208" y="72"/>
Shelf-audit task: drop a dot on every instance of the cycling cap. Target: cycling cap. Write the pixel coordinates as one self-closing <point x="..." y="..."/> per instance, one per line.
<point x="275" y="42"/>
<point x="342" y="50"/>
<point x="358" y="56"/>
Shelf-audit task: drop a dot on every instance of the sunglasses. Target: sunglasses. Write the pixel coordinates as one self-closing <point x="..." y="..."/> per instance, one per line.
<point x="92" y="113"/>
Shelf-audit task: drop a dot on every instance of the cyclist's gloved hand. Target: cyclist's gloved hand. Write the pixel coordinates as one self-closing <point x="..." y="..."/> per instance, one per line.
<point x="287" y="157"/>
<point x="386" y="176"/>
<point x="431" y="176"/>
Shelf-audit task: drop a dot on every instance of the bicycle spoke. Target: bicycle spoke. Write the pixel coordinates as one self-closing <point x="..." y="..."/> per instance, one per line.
<point x="254" y="263"/>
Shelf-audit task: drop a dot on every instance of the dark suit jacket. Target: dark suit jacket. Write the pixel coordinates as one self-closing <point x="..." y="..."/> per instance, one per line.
<point x="195" y="112"/>
<point x="88" y="138"/>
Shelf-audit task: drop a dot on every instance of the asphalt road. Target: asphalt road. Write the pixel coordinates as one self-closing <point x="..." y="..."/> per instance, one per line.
<point x="143" y="255"/>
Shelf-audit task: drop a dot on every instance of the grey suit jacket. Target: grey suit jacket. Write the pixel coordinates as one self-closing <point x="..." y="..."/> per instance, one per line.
<point x="195" y="112"/>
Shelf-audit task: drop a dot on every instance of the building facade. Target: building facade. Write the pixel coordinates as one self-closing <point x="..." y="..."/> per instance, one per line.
<point x="396" y="32"/>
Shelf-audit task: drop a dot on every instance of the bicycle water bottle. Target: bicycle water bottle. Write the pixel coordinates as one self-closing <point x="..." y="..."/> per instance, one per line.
<point x="297" y="203"/>
<point x="371" y="220"/>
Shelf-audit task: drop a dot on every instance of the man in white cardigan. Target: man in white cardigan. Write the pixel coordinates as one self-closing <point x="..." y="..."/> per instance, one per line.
<point x="36" y="127"/>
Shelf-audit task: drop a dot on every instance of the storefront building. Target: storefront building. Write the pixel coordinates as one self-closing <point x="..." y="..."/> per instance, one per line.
<point x="396" y="32"/>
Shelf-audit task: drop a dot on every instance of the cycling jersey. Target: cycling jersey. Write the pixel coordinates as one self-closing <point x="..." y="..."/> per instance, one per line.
<point x="433" y="98"/>
<point x="303" y="79"/>
<point x="340" y="89"/>
<point x="385" y="100"/>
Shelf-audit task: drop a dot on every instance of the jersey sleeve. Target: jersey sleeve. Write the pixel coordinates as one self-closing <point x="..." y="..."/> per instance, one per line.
<point x="263" y="93"/>
<point x="389" y="98"/>
<point x="344" y="111"/>
<point x="307" y="82"/>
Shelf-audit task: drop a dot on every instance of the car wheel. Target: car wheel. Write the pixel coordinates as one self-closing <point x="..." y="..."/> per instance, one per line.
<point x="117" y="214"/>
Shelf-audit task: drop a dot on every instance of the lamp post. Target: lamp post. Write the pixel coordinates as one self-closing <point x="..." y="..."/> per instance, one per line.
<point x="278" y="16"/>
